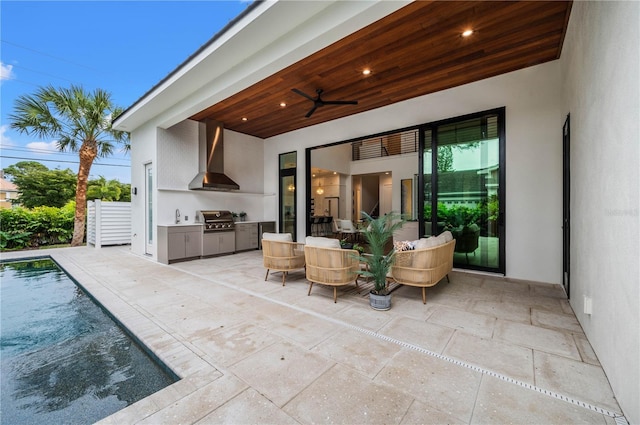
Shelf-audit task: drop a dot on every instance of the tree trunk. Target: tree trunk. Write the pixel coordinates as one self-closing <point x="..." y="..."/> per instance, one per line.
<point x="88" y="153"/>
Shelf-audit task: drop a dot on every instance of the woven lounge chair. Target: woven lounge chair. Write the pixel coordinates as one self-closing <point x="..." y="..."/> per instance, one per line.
<point x="329" y="265"/>
<point x="424" y="267"/>
<point x="281" y="254"/>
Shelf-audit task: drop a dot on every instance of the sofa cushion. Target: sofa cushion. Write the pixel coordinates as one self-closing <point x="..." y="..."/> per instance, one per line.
<point x="286" y="237"/>
<point x="319" y="241"/>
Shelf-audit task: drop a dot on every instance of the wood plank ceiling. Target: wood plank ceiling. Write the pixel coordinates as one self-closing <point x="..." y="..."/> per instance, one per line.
<point x="416" y="51"/>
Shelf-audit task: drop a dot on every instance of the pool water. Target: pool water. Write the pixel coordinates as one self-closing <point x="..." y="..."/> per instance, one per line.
<point x="62" y="358"/>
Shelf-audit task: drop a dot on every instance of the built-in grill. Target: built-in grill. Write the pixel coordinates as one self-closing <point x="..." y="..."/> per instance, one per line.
<point x="218" y="232"/>
<point x="215" y="221"/>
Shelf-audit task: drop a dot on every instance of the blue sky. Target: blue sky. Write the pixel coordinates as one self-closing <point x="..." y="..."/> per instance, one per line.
<point x="123" y="47"/>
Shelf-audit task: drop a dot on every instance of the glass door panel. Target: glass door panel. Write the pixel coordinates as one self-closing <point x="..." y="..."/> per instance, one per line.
<point x="468" y="169"/>
<point x="288" y="218"/>
<point x="428" y="192"/>
<point x="288" y="163"/>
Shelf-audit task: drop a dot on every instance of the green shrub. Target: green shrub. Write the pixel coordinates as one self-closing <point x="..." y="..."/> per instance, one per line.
<point x="31" y="228"/>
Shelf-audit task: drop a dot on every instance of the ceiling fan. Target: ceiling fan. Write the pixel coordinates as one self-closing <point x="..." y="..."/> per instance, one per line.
<point x="318" y="102"/>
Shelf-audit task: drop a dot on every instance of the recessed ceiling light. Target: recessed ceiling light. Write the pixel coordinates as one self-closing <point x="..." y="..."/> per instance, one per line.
<point x="467" y="33"/>
<point x="282" y="104"/>
<point x="366" y="71"/>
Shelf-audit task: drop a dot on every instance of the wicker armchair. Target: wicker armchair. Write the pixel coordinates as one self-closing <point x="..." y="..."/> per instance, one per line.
<point x="331" y="266"/>
<point x="281" y="254"/>
<point x="423" y="267"/>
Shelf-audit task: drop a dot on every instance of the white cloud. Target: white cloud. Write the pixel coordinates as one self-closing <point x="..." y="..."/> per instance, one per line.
<point x="43" y="147"/>
<point x="5" y="140"/>
<point x="6" y="72"/>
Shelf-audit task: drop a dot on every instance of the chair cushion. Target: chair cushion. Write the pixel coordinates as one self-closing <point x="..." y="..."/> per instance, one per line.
<point x="447" y="235"/>
<point x="322" y="242"/>
<point x="428" y="242"/>
<point x="286" y="237"/>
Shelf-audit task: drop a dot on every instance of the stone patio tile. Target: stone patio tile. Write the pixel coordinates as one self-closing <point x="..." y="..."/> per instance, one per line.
<point x="231" y="345"/>
<point x="477" y="324"/>
<point x="548" y="290"/>
<point x="474" y="292"/>
<point x="501" y="402"/>
<point x="364" y="353"/>
<point x="586" y="351"/>
<point x="199" y="322"/>
<point x="467" y="278"/>
<point x="503" y="310"/>
<point x="583" y="381"/>
<point x="366" y="318"/>
<point x="321" y="300"/>
<point x="249" y="407"/>
<point x="426" y="335"/>
<point x="344" y="396"/>
<point x="547" y="340"/>
<point x="450" y="388"/>
<point x="281" y="371"/>
<point x="505" y="285"/>
<point x="407" y="301"/>
<point x="421" y="413"/>
<point x="534" y="301"/>
<point x="199" y="403"/>
<point x="447" y="298"/>
<point x="558" y="321"/>
<point x="304" y="329"/>
<point x="506" y="359"/>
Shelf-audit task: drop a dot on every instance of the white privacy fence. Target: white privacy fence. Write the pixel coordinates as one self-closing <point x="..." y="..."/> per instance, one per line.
<point x="108" y="223"/>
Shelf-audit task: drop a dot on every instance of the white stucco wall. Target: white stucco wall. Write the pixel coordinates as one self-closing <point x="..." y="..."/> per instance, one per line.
<point x="534" y="156"/>
<point x="143" y="152"/>
<point x="601" y="74"/>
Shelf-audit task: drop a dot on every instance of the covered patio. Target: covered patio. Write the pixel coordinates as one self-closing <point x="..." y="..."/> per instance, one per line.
<point x="485" y="349"/>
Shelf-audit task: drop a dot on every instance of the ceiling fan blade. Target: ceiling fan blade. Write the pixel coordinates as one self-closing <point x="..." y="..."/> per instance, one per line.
<point x="311" y="111"/>
<point x="303" y="94"/>
<point x="340" y="102"/>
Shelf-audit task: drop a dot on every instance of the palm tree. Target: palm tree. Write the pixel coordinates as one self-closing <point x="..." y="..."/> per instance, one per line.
<point x="81" y="122"/>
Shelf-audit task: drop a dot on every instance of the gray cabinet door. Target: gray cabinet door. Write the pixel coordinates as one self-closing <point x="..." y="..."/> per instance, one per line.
<point x="193" y="244"/>
<point x="176" y="245"/>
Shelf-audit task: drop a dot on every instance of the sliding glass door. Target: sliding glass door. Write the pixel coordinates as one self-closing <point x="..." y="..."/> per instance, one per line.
<point x="462" y="187"/>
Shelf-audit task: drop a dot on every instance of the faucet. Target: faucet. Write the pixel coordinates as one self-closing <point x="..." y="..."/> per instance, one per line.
<point x="177" y="216"/>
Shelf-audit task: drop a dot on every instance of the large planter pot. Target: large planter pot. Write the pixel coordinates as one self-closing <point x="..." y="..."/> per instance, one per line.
<point x="380" y="302"/>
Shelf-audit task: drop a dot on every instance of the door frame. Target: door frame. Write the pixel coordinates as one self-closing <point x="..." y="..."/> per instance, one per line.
<point x="148" y="208"/>
<point x="566" y="205"/>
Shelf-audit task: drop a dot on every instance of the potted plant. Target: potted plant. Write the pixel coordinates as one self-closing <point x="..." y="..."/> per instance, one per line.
<point x="377" y="233"/>
<point x="243" y="215"/>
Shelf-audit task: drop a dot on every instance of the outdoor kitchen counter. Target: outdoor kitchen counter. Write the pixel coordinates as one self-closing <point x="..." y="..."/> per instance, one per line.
<point x="180" y="241"/>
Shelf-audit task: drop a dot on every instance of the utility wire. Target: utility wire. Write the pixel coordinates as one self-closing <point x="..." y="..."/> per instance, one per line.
<point x="51" y="56"/>
<point x="68" y="162"/>
<point x="41" y="72"/>
<point x="47" y="151"/>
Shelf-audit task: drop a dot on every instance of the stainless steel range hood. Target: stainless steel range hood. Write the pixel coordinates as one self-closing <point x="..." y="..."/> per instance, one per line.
<point x="211" y="161"/>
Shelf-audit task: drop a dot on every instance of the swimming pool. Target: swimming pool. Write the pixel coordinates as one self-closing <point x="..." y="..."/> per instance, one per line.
<point x="63" y="359"/>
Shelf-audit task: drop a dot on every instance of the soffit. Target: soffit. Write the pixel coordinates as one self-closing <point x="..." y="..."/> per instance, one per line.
<point x="412" y="52"/>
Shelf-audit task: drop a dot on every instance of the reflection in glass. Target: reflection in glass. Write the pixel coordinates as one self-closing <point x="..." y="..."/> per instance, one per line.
<point x="467" y="188"/>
